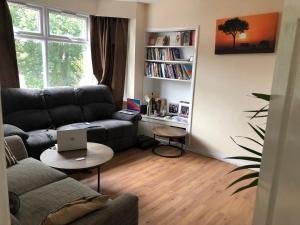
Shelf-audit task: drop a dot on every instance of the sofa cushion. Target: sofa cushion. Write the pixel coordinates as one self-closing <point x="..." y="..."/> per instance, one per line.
<point x="40" y="140"/>
<point x="24" y="108"/>
<point x="30" y="174"/>
<point x="96" y="102"/>
<point x="116" y="128"/>
<point x="37" y="204"/>
<point x="95" y="133"/>
<point x="62" y="105"/>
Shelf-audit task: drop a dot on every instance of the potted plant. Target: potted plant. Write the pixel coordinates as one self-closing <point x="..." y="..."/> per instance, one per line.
<point x="255" y="160"/>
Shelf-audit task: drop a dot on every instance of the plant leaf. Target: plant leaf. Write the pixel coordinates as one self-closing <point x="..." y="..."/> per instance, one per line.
<point x="252" y="184"/>
<point x="252" y="159"/>
<point x="257" y="131"/>
<point x="245" y="177"/>
<point x="253" y="111"/>
<point x="252" y="166"/>
<point x="251" y="139"/>
<point x="261" y="129"/>
<point x="262" y="116"/>
<point x="246" y="148"/>
<point x="258" y="112"/>
<point x="262" y="96"/>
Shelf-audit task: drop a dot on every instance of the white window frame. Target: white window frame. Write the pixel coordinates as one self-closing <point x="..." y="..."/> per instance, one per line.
<point x="44" y="34"/>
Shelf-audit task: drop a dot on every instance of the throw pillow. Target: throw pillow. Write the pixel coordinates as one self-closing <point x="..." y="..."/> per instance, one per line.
<point x="75" y="210"/>
<point x="10" y="130"/>
<point x="10" y="158"/>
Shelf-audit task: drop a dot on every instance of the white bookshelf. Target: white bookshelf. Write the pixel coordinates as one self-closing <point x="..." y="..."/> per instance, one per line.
<point x="173" y="89"/>
<point x="167" y="79"/>
<point x="170" y="62"/>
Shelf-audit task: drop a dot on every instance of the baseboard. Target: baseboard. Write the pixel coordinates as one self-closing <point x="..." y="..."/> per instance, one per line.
<point x="218" y="156"/>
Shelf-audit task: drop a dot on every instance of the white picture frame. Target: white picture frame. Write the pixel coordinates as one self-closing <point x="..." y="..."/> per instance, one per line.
<point x="184" y="110"/>
<point x="173" y="108"/>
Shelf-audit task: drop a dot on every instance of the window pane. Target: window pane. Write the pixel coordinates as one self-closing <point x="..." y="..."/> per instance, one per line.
<point x="65" y="63"/>
<point x="25" y="18"/>
<point x="30" y="63"/>
<point x="67" y="25"/>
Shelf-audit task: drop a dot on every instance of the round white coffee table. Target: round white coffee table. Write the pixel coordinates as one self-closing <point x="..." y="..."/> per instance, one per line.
<point x="93" y="157"/>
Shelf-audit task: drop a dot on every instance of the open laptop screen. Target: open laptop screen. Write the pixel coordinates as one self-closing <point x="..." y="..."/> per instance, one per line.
<point x="133" y="104"/>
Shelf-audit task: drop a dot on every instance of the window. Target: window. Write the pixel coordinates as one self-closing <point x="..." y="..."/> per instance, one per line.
<point x="52" y="47"/>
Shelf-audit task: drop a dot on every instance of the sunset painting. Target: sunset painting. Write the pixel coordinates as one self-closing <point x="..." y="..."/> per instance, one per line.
<point x="247" y="34"/>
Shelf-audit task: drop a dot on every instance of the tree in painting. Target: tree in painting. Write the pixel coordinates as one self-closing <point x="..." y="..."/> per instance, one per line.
<point x="234" y="27"/>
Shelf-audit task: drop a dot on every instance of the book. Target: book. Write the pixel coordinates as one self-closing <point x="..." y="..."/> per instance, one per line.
<point x="163" y="70"/>
<point x="179" y="72"/>
<point x="187" y="70"/>
<point x="193" y="37"/>
<point x="176" y="53"/>
<point x="186" y="38"/>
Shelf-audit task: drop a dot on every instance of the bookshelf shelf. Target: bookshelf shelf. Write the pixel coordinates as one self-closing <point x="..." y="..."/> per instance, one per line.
<point x="170" y="62"/>
<point x="170" y="46"/>
<point x="162" y="78"/>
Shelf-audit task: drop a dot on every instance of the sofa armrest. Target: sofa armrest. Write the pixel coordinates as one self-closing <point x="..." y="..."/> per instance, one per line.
<point x="17" y="147"/>
<point x="122" y="210"/>
<point x="128" y="117"/>
<point x="11" y="130"/>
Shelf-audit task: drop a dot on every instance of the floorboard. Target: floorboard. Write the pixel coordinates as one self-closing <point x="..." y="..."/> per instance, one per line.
<point x="189" y="190"/>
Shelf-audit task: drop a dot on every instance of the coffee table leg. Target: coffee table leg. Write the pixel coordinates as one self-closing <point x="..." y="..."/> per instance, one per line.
<point x="98" y="179"/>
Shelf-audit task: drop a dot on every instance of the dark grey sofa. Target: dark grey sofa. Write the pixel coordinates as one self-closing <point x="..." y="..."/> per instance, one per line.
<point x="42" y="190"/>
<point x="39" y="113"/>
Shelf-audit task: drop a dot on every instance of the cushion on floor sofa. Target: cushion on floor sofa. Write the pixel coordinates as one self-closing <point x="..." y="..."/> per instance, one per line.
<point x="30" y="174"/>
<point x="37" y="204"/>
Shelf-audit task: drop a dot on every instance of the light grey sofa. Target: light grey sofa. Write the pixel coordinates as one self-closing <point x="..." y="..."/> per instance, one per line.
<point x="42" y="189"/>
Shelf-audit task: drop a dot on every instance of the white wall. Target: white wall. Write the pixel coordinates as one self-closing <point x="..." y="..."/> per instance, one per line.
<point x="278" y="200"/>
<point x="4" y="209"/>
<point x="112" y="8"/>
<point x="222" y="81"/>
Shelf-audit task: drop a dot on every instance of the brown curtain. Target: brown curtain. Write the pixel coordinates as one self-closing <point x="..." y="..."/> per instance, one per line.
<point x="9" y="75"/>
<point x="109" y="51"/>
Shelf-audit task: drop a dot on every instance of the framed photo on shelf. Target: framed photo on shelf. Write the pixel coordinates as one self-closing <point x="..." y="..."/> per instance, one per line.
<point x="152" y="40"/>
<point x="178" y="39"/>
<point x="159" y="40"/>
<point x="184" y="110"/>
<point x="173" y="108"/>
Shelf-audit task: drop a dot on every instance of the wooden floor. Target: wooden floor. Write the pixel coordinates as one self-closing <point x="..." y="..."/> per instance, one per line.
<point x="181" y="191"/>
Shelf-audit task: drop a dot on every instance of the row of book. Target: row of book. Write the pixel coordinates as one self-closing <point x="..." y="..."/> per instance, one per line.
<point x="162" y="70"/>
<point x="166" y="54"/>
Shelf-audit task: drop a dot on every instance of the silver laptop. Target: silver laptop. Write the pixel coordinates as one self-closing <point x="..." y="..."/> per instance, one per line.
<point x="69" y="140"/>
